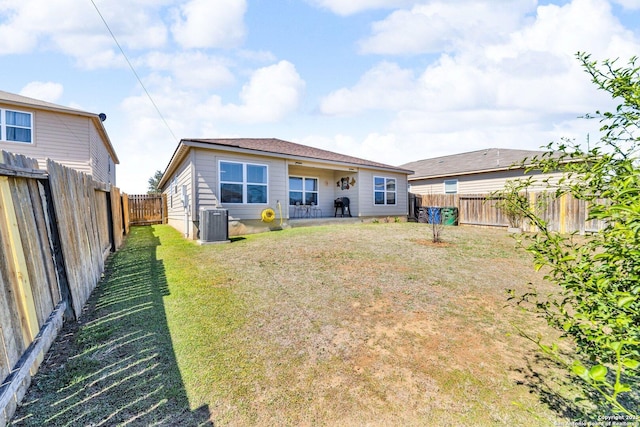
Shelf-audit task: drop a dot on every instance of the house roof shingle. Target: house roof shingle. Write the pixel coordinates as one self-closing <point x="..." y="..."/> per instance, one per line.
<point x="281" y="147"/>
<point x="272" y="146"/>
<point x="490" y="159"/>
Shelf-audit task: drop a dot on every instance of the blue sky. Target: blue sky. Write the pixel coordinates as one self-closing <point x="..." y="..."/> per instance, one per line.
<point x="388" y="80"/>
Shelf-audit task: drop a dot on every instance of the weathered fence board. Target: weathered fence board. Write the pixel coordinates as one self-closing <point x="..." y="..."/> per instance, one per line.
<point x="103" y="221"/>
<point x="78" y="231"/>
<point x="116" y="214"/>
<point x="56" y="229"/>
<point x="565" y="214"/>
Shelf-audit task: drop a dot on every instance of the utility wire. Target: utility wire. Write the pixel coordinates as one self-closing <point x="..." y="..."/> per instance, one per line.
<point x="134" y="70"/>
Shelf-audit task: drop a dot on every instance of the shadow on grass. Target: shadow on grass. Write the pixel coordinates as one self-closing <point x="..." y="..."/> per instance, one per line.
<point x="567" y="395"/>
<point x="116" y="365"/>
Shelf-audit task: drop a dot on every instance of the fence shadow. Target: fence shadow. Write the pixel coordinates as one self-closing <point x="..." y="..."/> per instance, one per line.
<point x="116" y="365"/>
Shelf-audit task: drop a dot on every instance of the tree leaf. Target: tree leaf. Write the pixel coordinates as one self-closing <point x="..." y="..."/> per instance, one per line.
<point x="621" y="388"/>
<point x="579" y="369"/>
<point x="598" y="373"/>
<point x="626" y="301"/>
<point x="631" y="363"/>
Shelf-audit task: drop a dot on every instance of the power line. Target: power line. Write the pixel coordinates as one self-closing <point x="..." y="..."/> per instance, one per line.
<point x="134" y="71"/>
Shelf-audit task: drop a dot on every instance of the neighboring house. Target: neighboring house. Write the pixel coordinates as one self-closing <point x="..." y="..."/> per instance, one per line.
<point x="475" y="172"/>
<point x="42" y="130"/>
<point x="247" y="176"/>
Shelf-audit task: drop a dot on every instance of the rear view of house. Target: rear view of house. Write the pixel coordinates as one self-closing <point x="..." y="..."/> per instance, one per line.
<point x="42" y="130"/>
<point x="249" y="177"/>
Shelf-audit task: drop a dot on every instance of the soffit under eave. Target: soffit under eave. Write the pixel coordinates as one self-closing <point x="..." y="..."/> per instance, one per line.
<point x="176" y="159"/>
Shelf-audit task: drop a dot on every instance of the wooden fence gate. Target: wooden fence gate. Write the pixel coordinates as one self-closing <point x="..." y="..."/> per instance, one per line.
<point x="147" y="209"/>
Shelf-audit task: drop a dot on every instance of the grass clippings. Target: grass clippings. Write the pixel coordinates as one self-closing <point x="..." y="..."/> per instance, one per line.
<point x="336" y="325"/>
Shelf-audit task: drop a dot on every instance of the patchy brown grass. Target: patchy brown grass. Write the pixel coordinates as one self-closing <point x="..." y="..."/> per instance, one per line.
<point x="366" y="324"/>
<point x="373" y="324"/>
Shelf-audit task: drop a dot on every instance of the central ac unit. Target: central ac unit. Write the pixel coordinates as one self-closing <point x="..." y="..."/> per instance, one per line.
<point x="214" y="225"/>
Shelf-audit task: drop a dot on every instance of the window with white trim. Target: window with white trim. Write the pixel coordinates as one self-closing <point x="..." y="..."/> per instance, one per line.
<point x="303" y="190"/>
<point x="16" y="126"/>
<point x="243" y="183"/>
<point x="384" y="190"/>
<point x="451" y="186"/>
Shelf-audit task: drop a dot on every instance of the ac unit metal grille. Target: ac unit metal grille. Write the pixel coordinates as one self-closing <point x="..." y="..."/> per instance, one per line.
<point x="214" y="225"/>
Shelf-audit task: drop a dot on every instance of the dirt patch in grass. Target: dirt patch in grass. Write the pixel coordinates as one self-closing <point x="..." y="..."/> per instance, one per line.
<point x="363" y="324"/>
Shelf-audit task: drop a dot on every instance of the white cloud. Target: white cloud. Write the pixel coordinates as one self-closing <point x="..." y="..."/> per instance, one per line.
<point x="582" y="25"/>
<point x="629" y="4"/>
<point x="385" y="86"/>
<point x="533" y="69"/>
<point x="75" y="28"/>
<point x="349" y="7"/>
<point x="192" y="69"/>
<point x="520" y="90"/>
<point x="45" y="91"/>
<point x="271" y="94"/>
<point x="207" y="24"/>
<point x="437" y="26"/>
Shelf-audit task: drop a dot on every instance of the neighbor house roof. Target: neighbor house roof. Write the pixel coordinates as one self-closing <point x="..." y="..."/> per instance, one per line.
<point x="26" y="102"/>
<point x="275" y="147"/>
<point x="487" y="160"/>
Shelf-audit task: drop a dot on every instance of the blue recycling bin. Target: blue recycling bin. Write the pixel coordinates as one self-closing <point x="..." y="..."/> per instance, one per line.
<point x="434" y="215"/>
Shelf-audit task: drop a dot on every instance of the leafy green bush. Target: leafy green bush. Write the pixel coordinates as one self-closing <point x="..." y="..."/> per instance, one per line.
<point x="597" y="305"/>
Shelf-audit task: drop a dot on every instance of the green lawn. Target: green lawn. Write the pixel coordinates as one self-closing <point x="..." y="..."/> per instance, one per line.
<point x="365" y="324"/>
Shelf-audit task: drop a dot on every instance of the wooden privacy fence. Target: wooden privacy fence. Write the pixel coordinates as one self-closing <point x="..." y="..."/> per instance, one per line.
<point x="565" y="214"/>
<point x="56" y="229"/>
<point x="146" y="209"/>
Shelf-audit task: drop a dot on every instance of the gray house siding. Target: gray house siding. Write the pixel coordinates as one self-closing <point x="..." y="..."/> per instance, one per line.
<point x="179" y="216"/>
<point x="479" y="183"/>
<point x="102" y="165"/>
<point x="366" y="191"/>
<point x="207" y="181"/>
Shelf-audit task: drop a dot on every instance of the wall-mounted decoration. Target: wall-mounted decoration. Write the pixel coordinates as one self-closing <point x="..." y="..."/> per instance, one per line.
<point x="345" y="184"/>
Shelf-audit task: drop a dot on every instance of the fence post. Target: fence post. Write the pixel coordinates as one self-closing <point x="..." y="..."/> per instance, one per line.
<point x="24" y="294"/>
<point x="532" y="208"/>
<point x="562" y="227"/>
